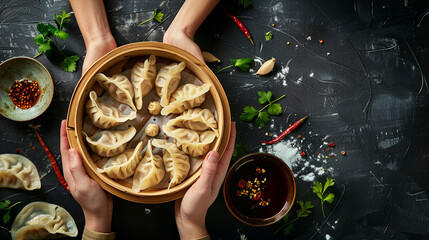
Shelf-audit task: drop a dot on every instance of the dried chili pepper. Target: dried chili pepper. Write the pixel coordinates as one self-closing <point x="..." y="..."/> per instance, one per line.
<point x="53" y="163"/>
<point x="257" y="196"/>
<point x="240" y="25"/>
<point x="242" y="183"/>
<point x="287" y="131"/>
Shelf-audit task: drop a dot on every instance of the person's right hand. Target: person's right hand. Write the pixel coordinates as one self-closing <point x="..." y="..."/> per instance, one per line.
<point x="97" y="205"/>
<point x="95" y="49"/>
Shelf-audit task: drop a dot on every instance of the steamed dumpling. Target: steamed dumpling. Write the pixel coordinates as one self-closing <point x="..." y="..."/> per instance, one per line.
<point x="190" y="141"/>
<point x="143" y="79"/>
<point x="154" y="108"/>
<point x="176" y="162"/>
<point x="104" y="115"/>
<point x="17" y="171"/>
<point x="123" y="165"/>
<point x="196" y="119"/>
<point x="119" y="88"/>
<point x="110" y="143"/>
<point x="149" y="172"/>
<point x="186" y="97"/>
<point x="152" y="130"/>
<point x="42" y="220"/>
<point x="168" y="80"/>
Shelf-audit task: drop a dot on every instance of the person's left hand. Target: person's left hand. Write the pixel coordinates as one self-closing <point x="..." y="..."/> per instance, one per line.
<point x="180" y="39"/>
<point x="96" y="204"/>
<point x="191" y="210"/>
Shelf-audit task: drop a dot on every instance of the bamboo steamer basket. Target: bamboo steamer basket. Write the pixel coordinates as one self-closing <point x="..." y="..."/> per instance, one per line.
<point x="113" y="62"/>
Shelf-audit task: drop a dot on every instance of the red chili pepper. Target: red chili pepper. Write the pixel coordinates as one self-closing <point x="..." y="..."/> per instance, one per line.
<point x="53" y="163"/>
<point x="258" y="196"/>
<point x="240" y="25"/>
<point x="242" y="183"/>
<point x="287" y="131"/>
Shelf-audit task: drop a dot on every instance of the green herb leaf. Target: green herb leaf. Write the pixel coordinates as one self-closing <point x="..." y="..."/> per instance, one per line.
<point x="65" y="14"/>
<point x="52" y="29"/>
<point x="305" y="208"/>
<point x="317" y="188"/>
<point x="264" y="96"/>
<point x="242" y="63"/>
<point x="69" y="63"/>
<point x="6" y="216"/>
<point x="320" y="191"/>
<point x="61" y="35"/>
<point x="329" y="182"/>
<point x="275" y="109"/>
<point x="239" y="151"/>
<point x="44" y="43"/>
<point x="268" y="36"/>
<point x="158" y="16"/>
<point x="248" y="114"/>
<point x="43" y="29"/>
<point x="4" y="204"/>
<point x="262" y="119"/>
<point x="329" y="198"/>
<point x="245" y="3"/>
<point x="57" y="19"/>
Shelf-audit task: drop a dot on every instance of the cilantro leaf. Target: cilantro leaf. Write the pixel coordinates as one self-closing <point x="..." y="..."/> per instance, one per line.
<point x="245" y="3"/>
<point x="304" y="211"/>
<point x="65" y="14"/>
<point x="52" y="29"/>
<point x="57" y="19"/>
<point x="4" y="204"/>
<point x="248" y="114"/>
<point x="242" y="63"/>
<point x="268" y="35"/>
<point x="275" y="109"/>
<point x="321" y="193"/>
<point x="69" y="63"/>
<point x="262" y="119"/>
<point x="6" y="216"/>
<point x="158" y="17"/>
<point x="264" y="96"/>
<point x="43" y="29"/>
<point x="239" y="151"/>
<point x="44" y="43"/>
<point x="61" y="35"/>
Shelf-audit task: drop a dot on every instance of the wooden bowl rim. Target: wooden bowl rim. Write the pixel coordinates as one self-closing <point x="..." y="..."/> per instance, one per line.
<point x="117" y="189"/>
<point x="258" y="222"/>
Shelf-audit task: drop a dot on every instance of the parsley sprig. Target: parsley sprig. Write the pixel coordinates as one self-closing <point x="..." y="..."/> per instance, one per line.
<point x="268" y="35"/>
<point x="304" y="211"/>
<point x="320" y="191"/>
<point x="5" y="206"/>
<point x="46" y="42"/>
<point x="239" y="151"/>
<point x="157" y="15"/>
<point x="249" y="112"/>
<point x="242" y="63"/>
<point x="245" y="3"/>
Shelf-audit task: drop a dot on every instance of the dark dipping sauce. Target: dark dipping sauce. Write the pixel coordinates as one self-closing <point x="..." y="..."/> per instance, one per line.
<point x="266" y="188"/>
<point x="24" y="93"/>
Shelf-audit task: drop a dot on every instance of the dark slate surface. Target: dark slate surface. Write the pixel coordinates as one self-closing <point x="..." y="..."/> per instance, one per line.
<point x="370" y="97"/>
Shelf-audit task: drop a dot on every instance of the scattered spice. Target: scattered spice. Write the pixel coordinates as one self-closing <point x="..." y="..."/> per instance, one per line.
<point x="343" y="153"/>
<point x="273" y="24"/>
<point x="328" y="149"/>
<point x="34" y="148"/>
<point x="303" y="154"/>
<point x="331" y="155"/>
<point x="321" y="41"/>
<point x="17" y="150"/>
<point x="253" y="189"/>
<point x="24" y="93"/>
<point x="309" y="38"/>
<point x="287" y="131"/>
<point x="53" y="163"/>
<point x="240" y="25"/>
<point x="288" y="43"/>
<point x="299" y="136"/>
<point x="328" y="54"/>
<point x="331" y="144"/>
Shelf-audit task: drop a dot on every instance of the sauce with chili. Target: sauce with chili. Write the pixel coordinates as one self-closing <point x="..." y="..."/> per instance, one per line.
<point x="258" y="189"/>
<point x="24" y="93"/>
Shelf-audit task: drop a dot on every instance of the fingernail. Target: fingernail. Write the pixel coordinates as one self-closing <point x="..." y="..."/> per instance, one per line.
<point x="212" y="156"/>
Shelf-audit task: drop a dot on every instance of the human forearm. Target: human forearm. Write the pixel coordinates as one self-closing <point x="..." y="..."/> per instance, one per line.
<point x="189" y="230"/>
<point x="92" y="20"/>
<point x="100" y="222"/>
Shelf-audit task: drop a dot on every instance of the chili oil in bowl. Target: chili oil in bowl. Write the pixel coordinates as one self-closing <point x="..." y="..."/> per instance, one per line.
<point x="26" y="89"/>
<point x="259" y="189"/>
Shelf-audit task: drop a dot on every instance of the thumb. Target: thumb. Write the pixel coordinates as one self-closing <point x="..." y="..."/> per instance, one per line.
<point x="209" y="169"/>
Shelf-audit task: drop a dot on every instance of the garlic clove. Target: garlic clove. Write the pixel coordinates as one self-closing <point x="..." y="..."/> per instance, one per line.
<point x="208" y="57"/>
<point x="266" y="67"/>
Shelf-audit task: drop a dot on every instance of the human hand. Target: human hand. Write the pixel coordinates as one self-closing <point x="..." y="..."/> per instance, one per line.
<point x="97" y="48"/>
<point x="191" y="210"/>
<point x="96" y="204"/>
<point x="182" y="40"/>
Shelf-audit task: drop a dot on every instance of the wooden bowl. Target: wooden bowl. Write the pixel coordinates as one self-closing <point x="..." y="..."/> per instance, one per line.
<point x="19" y="68"/>
<point x="278" y="190"/>
<point x="114" y="62"/>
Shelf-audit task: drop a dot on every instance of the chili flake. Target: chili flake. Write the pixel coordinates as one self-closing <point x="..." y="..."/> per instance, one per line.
<point x="331" y="155"/>
<point x="328" y="149"/>
<point x="303" y="154"/>
<point x="24" y="93"/>
<point x="288" y="43"/>
<point x="253" y="189"/>
<point x="331" y="144"/>
<point x="321" y="41"/>
<point x="343" y="153"/>
<point x="299" y="136"/>
<point x="17" y="150"/>
<point x="242" y="184"/>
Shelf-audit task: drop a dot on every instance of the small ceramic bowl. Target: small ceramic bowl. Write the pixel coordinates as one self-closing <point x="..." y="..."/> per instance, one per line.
<point x="19" y="68"/>
<point x="259" y="189"/>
